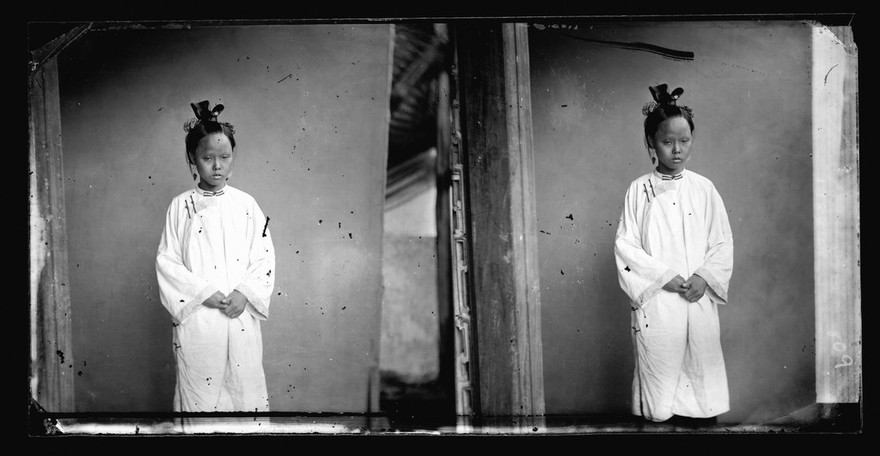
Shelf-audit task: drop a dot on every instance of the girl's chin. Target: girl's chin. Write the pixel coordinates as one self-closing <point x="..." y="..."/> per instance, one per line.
<point x="212" y="183"/>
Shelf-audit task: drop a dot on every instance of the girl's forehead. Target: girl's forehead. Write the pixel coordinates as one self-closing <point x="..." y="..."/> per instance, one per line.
<point x="214" y="142"/>
<point x="674" y="125"/>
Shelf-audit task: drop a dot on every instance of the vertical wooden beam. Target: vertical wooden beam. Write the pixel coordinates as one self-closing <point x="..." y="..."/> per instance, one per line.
<point x="445" y="263"/>
<point x="51" y="381"/>
<point x="836" y="216"/>
<point x="499" y="164"/>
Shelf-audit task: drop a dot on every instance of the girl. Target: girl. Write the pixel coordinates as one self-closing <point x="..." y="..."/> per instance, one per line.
<point x="674" y="256"/>
<point x="216" y="266"/>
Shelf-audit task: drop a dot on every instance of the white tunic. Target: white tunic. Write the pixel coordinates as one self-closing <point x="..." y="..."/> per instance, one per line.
<point x="217" y="243"/>
<point x="668" y="228"/>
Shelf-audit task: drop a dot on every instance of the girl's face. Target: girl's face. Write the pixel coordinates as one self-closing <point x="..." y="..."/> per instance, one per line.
<point x="672" y="143"/>
<point x="213" y="159"/>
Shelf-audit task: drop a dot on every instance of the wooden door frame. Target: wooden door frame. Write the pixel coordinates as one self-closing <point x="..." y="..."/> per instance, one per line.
<point x="836" y="224"/>
<point x="503" y="267"/>
<point x="51" y="380"/>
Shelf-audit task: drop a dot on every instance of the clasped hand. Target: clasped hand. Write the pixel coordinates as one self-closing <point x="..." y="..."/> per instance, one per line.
<point x="691" y="289"/>
<point x="232" y="306"/>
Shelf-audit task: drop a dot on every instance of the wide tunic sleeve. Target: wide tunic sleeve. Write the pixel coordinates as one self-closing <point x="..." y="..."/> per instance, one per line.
<point x="718" y="264"/>
<point x="641" y="276"/>
<point x="180" y="290"/>
<point x="259" y="279"/>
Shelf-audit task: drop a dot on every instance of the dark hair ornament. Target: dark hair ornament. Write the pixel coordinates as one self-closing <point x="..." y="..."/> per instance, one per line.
<point x="203" y="114"/>
<point x="663" y="98"/>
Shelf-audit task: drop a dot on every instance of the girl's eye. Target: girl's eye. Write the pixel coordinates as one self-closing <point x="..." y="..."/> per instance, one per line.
<point x="685" y="140"/>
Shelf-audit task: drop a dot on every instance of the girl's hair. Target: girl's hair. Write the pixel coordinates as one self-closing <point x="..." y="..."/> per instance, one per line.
<point x="663" y="107"/>
<point x="203" y="125"/>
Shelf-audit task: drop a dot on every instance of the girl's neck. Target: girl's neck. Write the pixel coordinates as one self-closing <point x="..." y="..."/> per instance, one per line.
<point x="669" y="172"/>
<point x="206" y="188"/>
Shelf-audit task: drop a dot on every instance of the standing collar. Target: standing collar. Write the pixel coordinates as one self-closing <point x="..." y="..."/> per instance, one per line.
<point x="209" y="193"/>
<point x="668" y="177"/>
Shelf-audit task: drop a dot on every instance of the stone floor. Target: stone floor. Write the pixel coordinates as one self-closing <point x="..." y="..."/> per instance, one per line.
<point x="812" y="420"/>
